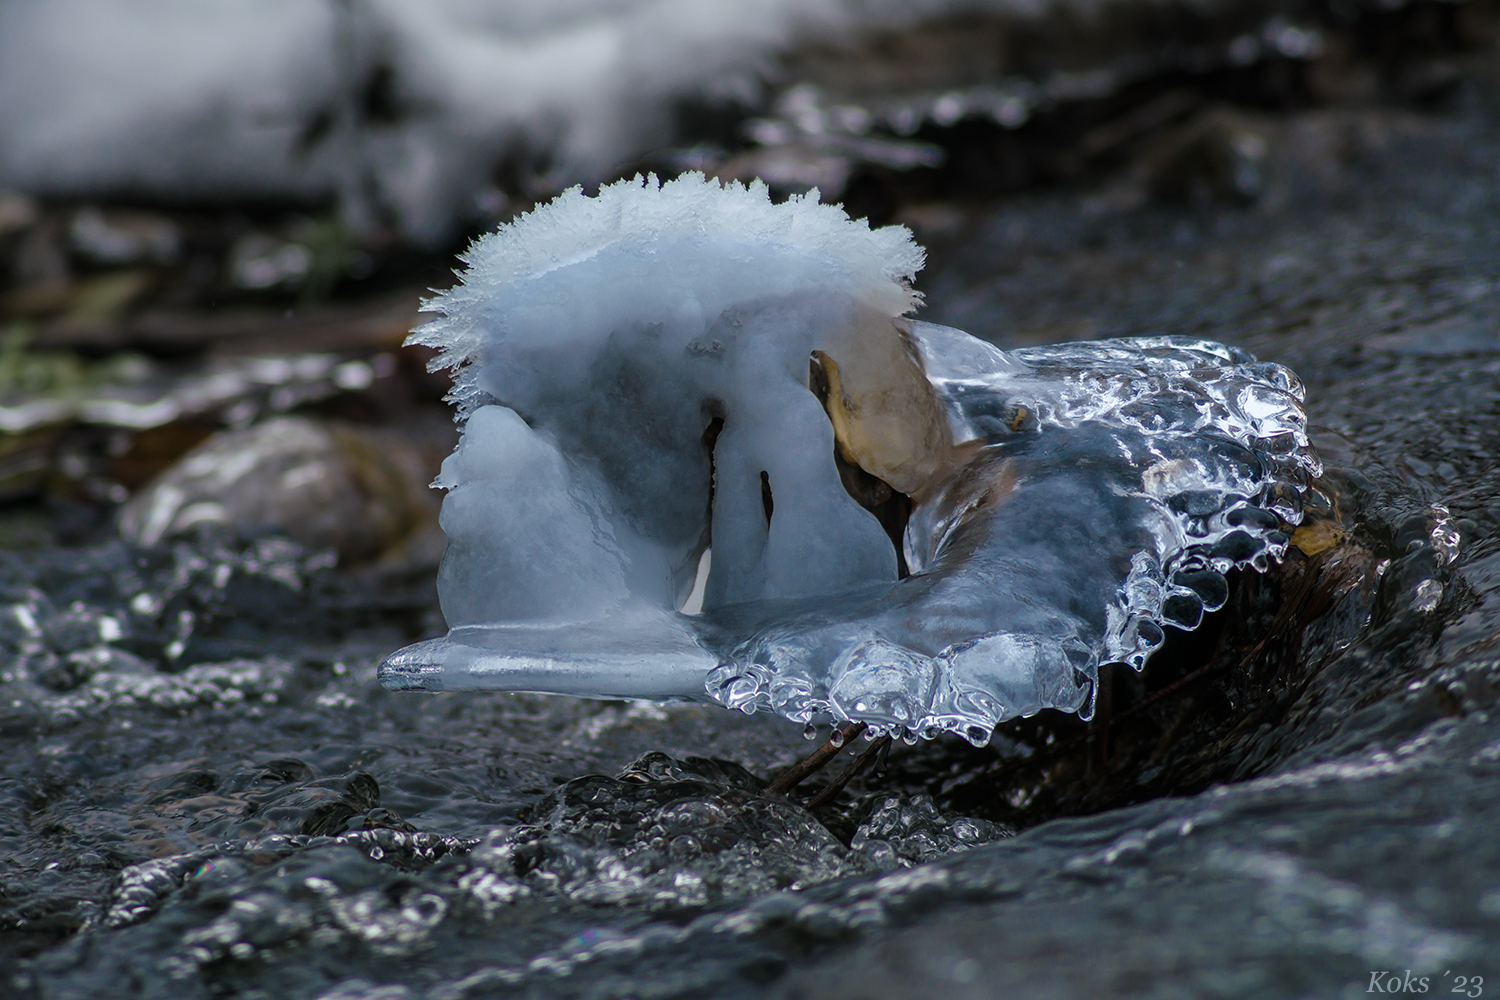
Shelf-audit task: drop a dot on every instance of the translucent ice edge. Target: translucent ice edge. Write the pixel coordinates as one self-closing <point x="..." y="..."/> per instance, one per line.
<point x="646" y="654"/>
<point x="1138" y="473"/>
<point x="1215" y="458"/>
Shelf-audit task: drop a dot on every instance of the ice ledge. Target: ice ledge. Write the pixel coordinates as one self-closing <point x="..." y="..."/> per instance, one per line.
<point x="639" y="655"/>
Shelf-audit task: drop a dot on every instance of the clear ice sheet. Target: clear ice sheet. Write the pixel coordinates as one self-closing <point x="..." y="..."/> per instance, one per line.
<point x="662" y="369"/>
<point x="1112" y="486"/>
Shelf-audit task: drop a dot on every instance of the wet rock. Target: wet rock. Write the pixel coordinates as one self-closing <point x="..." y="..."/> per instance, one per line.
<point x="1217" y="157"/>
<point x="117" y="237"/>
<point x="257" y="261"/>
<point x="325" y="485"/>
<point x="83" y="434"/>
<point x="36" y="263"/>
<point x="41" y="388"/>
<point x="278" y="796"/>
<point x="17" y="212"/>
<point x="308" y="256"/>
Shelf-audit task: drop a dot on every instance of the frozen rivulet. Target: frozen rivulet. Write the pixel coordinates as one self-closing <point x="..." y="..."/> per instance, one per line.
<point x="909" y="527"/>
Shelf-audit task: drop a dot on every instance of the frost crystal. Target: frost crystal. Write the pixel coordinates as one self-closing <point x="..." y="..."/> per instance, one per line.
<point x="908" y="527"/>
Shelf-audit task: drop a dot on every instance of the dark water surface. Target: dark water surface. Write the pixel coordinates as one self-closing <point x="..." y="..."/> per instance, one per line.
<point x="203" y="792"/>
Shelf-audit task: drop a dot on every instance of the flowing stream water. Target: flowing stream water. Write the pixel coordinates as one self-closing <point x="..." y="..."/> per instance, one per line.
<point x="204" y="793"/>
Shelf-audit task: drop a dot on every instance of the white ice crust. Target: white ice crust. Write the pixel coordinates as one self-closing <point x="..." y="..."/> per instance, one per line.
<point x="663" y="368"/>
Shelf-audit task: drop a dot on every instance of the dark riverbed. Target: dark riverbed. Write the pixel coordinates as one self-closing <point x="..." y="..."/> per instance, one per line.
<point x="203" y="792"/>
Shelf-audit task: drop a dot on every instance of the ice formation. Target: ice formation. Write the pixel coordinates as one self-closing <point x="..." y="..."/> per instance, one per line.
<point x="908" y="526"/>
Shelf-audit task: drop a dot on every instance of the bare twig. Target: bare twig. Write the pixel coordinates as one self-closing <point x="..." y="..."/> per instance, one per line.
<point x="857" y="765"/>
<point x="813" y="762"/>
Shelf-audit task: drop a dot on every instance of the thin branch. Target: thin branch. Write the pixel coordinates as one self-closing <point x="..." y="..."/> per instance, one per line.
<point x="857" y="765"/>
<point x="813" y="762"/>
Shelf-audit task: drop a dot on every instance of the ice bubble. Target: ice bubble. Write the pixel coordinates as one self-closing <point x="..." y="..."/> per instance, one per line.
<point x="909" y="527"/>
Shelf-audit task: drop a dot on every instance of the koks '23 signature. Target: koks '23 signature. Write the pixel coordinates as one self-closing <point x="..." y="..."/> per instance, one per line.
<point x="1386" y="981"/>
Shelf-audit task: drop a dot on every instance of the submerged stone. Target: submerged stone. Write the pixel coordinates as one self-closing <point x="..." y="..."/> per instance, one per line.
<point x="323" y="484"/>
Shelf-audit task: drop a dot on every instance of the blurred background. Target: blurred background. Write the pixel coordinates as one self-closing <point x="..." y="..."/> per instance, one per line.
<point x="218" y="217"/>
<point x="218" y="220"/>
